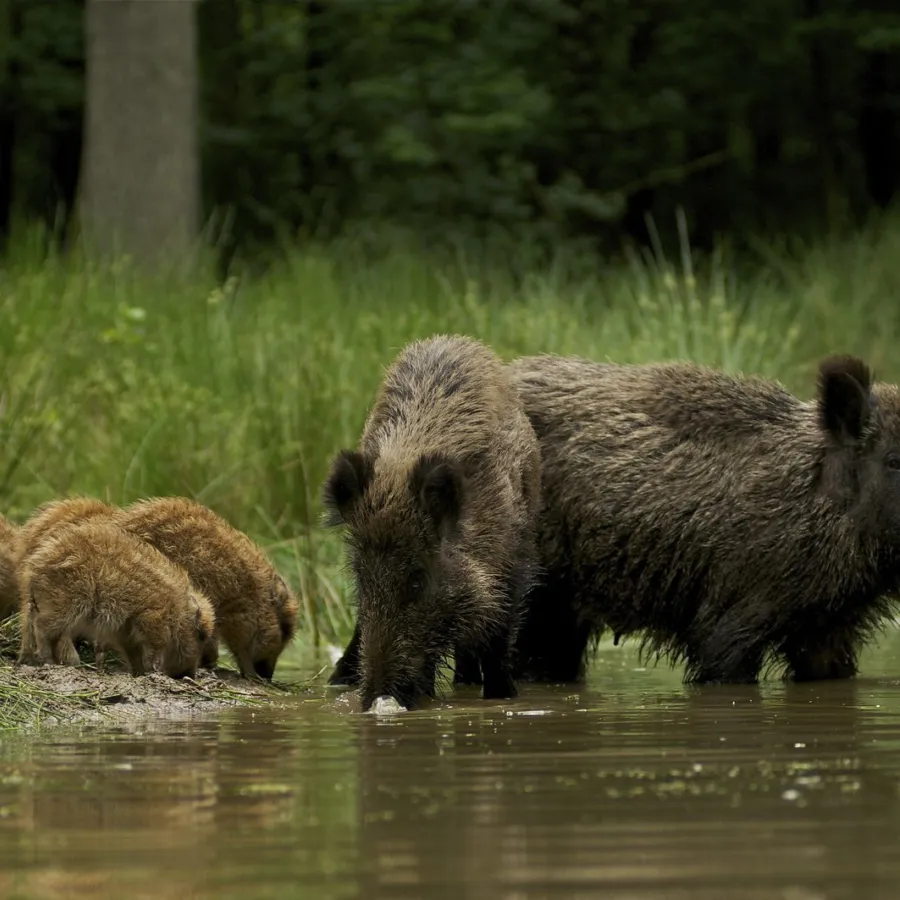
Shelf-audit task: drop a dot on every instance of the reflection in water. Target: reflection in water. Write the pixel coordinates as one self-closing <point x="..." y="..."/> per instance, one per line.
<point x="634" y="787"/>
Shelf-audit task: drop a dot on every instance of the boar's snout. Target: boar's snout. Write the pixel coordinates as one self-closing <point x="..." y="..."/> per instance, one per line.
<point x="407" y="694"/>
<point x="394" y="670"/>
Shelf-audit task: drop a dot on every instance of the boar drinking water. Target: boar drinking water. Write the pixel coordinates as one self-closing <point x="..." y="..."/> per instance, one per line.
<point x="439" y="503"/>
<point x="721" y="519"/>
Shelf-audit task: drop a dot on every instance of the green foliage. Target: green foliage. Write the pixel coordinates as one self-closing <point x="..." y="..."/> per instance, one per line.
<point x="564" y="118"/>
<point x="547" y="116"/>
<point x="238" y="393"/>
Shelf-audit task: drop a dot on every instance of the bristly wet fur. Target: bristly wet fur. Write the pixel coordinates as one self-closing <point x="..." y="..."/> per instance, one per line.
<point x="723" y="521"/>
<point x="93" y="580"/>
<point x="439" y="501"/>
<point x="256" y="612"/>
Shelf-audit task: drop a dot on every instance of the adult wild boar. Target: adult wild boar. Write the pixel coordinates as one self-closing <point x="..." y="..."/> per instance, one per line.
<point x="723" y="520"/>
<point x="439" y="502"/>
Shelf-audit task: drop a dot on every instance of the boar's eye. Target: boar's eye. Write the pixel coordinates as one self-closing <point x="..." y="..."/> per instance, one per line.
<point x="893" y="462"/>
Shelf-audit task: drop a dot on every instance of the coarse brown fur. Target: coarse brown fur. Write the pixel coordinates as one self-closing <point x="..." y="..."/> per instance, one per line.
<point x="439" y="502"/>
<point x="92" y="579"/>
<point x="55" y="514"/>
<point x="256" y="613"/>
<point x="44" y="521"/>
<point x="9" y="588"/>
<point x="722" y="519"/>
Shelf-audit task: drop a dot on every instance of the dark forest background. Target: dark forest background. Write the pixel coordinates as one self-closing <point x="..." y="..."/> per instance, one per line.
<point x="568" y="119"/>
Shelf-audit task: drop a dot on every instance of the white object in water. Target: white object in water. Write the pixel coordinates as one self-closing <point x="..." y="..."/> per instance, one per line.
<point x="386" y="706"/>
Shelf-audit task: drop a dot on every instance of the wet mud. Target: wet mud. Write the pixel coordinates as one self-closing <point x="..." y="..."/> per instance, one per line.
<point x="62" y="694"/>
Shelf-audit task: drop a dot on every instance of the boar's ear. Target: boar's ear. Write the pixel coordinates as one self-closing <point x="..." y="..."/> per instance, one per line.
<point x="437" y="483"/>
<point x="350" y="473"/>
<point x="844" y="400"/>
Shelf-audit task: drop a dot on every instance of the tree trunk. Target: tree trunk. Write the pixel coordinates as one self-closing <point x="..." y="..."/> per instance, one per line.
<point x="140" y="188"/>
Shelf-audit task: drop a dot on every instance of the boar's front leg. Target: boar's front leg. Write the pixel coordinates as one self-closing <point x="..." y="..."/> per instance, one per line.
<point x="467" y="669"/>
<point x="346" y="671"/>
<point x="498" y="656"/>
<point x="497" y="668"/>
<point x="813" y="658"/>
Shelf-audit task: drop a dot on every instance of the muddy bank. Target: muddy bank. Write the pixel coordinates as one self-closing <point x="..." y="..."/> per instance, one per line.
<point x="55" y="694"/>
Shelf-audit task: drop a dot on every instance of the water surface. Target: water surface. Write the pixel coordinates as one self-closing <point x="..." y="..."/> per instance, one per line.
<point x="631" y="787"/>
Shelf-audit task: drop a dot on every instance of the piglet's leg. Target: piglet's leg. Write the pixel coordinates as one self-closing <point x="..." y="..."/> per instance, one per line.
<point x="43" y="640"/>
<point x="100" y="651"/>
<point x="64" y="652"/>
<point x="135" y="655"/>
<point x="28" y="646"/>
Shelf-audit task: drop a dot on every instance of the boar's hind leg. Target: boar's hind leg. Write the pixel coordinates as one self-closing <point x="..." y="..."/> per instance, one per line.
<point x="817" y="660"/>
<point x="346" y="671"/>
<point x="467" y="669"/>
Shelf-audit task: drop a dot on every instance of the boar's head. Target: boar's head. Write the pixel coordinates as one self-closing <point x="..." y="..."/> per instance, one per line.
<point x="403" y="528"/>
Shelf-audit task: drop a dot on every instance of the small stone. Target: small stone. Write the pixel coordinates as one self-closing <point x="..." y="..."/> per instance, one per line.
<point x="386" y="706"/>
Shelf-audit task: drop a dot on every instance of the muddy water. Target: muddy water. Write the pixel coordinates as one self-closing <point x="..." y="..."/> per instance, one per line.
<point x="633" y="787"/>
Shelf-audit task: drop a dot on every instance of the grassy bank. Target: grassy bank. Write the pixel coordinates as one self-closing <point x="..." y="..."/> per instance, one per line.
<point x="238" y="393"/>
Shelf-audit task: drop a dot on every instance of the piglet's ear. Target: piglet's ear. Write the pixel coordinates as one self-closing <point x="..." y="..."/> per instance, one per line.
<point x="438" y="485"/>
<point x="350" y="474"/>
<point x="845" y="402"/>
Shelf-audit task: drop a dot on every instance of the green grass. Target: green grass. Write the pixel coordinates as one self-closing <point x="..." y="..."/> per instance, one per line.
<point x="237" y="394"/>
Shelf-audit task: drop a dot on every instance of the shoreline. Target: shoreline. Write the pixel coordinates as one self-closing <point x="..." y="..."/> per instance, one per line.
<point x="56" y="695"/>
